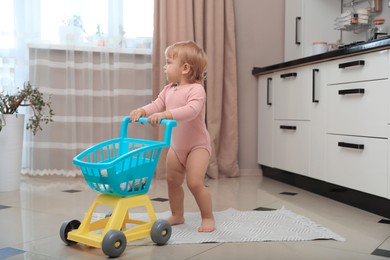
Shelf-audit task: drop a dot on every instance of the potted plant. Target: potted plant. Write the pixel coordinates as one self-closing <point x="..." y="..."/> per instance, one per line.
<point x="28" y="96"/>
<point x="12" y="128"/>
<point x="72" y="30"/>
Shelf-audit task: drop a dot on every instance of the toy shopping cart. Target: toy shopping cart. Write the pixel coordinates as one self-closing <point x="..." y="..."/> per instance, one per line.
<point x="122" y="170"/>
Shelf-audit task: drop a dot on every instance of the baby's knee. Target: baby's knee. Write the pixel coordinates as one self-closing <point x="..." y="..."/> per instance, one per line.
<point x="195" y="186"/>
<point x="175" y="180"/>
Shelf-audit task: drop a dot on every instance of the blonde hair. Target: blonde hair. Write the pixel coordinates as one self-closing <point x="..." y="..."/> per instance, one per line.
<point x="189" y="52"/>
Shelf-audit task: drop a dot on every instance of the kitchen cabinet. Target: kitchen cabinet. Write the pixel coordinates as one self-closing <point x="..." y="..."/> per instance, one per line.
<point x="308" y="21"/>
<point x="357" y="122"/>
<point x="330" y="121"/>
<point x="289" y="118"/>
<point x="337" y="143"/>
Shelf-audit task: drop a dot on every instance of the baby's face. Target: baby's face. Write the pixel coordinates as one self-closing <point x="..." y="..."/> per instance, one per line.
<point x="173" y="69"/>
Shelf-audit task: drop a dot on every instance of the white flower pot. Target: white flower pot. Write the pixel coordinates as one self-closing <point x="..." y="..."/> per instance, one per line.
<point x="11" y="145"/>
<point x="70" y="34"/>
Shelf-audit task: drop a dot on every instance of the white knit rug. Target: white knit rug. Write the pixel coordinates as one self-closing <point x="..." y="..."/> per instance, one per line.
<point x="246" y="226"/>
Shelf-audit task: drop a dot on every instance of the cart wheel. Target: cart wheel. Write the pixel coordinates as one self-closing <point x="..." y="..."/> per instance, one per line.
<point x="161" y="232"/>
<point x="66" y="227"/>
<point x="114" y="243"/>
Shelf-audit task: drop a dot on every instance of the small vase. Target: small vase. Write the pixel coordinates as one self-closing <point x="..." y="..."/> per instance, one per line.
<point x="70" y="34"/>
<point x="11" y="147"/>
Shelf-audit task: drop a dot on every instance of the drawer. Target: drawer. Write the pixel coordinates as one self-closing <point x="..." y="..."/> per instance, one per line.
<point x="291" y="146"/>
<point x="293" y="94"/>
<point x="358" y="163"/>
<point x="358" y="108"/>
<point x="359" y="68"/>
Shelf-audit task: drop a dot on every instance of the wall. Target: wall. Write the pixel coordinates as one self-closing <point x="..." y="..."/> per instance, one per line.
<point x="260" y="37"/>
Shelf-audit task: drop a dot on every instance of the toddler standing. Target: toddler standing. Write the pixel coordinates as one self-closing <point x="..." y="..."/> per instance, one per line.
<point x="184" y="100"/>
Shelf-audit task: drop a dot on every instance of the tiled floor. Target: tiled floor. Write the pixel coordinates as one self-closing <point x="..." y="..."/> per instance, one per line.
<point x="30" y="219"/>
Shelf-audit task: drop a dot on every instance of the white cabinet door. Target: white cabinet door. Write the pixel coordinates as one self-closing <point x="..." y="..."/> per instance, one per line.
<point x="293" y="94"/>
<point x="293" y="30"/>
<point x="317" y="123"/>
<point x="308" y="21"/>
<point x="299" y="132"/>
<point x="265" y="120"/>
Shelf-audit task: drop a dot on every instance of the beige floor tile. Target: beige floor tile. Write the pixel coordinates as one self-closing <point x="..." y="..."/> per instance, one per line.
<point x="39" y="208"/>
<point x="386" y="244"/>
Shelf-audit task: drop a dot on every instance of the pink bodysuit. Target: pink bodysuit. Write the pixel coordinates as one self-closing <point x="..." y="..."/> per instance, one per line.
<point x="187" y="104"/>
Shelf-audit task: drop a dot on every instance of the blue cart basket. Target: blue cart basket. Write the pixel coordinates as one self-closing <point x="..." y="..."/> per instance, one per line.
<point x="123" y="166"/>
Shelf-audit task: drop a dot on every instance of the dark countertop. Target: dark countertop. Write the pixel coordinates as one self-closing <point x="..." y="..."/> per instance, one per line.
<point x="369" y="46"/>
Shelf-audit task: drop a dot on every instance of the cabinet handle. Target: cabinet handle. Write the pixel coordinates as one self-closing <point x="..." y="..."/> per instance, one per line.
<point x="351" y="91"/>
<point x="288" y="127"/>
<point x="287" y="75"/>
<point x="351" y="64"/>
<point x="353" y="146"/>
<point x="268" y="86"/>
<point x="313" y="99"/>
<point x="297" y="19"/>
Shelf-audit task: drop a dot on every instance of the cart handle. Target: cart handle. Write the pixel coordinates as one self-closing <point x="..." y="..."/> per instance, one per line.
<point x="169" y="124"/>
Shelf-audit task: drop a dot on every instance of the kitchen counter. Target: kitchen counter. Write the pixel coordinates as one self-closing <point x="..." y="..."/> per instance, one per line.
<point x="365" y="47"/>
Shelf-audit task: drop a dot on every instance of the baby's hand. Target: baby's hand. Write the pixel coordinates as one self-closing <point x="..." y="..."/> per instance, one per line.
<point x="136" y="114"/>
<point x="156" y="118"/>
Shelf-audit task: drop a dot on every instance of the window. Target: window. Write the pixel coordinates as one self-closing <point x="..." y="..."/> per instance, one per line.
<point x="6" y="24"/>
<point x="128" y="23"/>
<point x="120" y="23"/>
<point x="86" y="14"/>
<point x="112" y="23"/>
<point x="138" y="18"/>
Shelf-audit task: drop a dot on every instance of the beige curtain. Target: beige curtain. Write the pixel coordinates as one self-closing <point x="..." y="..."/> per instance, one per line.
<point x="211" y="24"/>
<point x="91" y="91"/>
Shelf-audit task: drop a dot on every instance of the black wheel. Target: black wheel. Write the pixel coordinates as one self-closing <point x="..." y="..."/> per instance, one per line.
<point x="114" y="243"/>
<point x="161" y="232"/>
<point x="66" y="227"/>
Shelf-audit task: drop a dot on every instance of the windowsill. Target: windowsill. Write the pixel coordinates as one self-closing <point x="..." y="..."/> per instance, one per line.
<point x="84" y="47"/>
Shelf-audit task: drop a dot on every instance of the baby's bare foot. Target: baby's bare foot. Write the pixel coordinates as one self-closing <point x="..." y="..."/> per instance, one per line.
<point x="208" y="225"/>
<point x="174" y="220"/>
